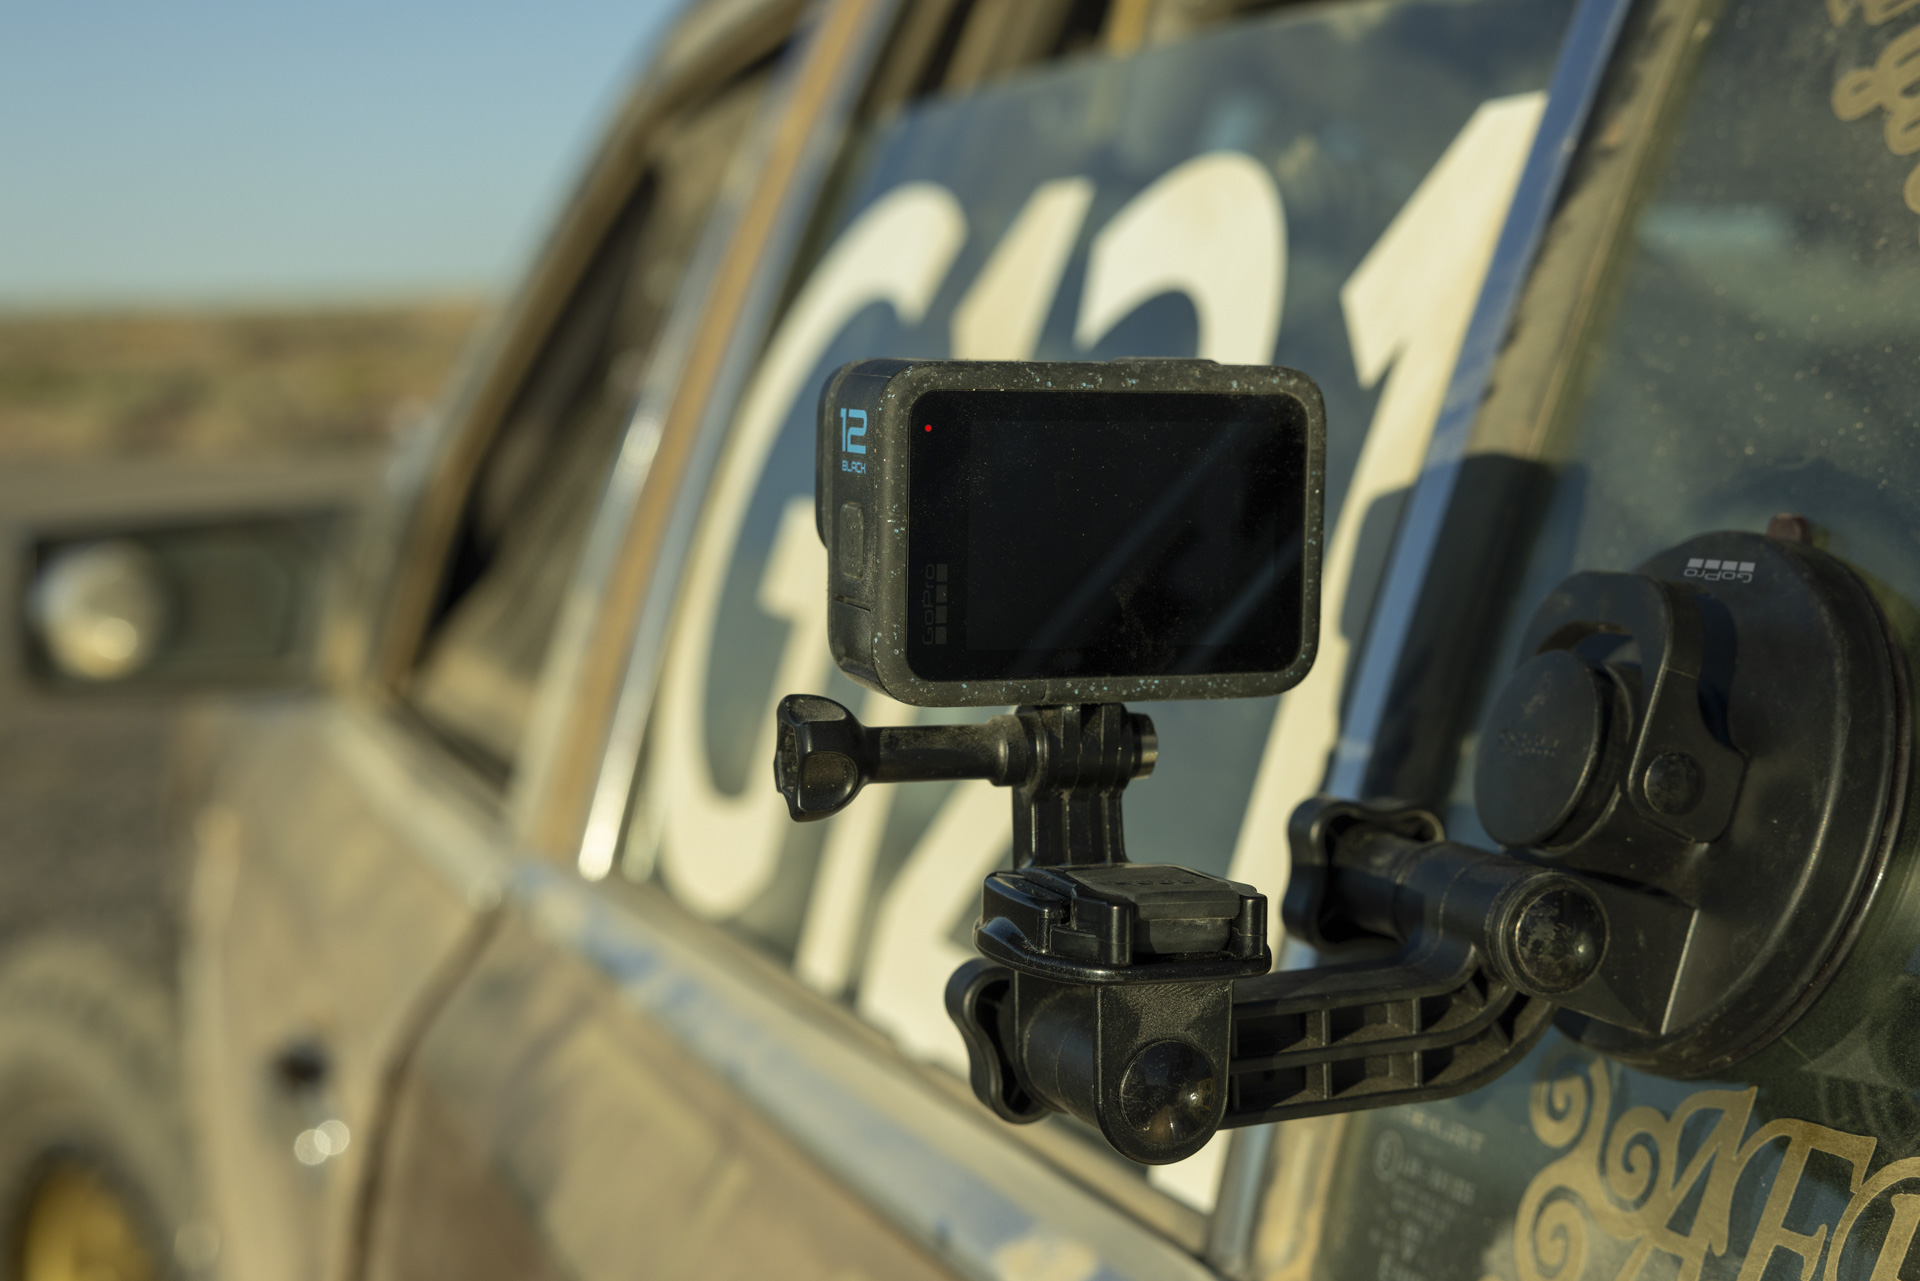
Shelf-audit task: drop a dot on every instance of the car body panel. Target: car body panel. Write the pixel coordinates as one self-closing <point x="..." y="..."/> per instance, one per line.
<point x="728" y="1055"/>
<point x="348" y="865"/>
<point x="603" y="1132"/>
<point x="582" y="1065"/>
<point x="322" y="921"/>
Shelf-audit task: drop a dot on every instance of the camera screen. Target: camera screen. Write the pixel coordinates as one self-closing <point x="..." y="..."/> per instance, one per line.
<point x="1104" y="534"/>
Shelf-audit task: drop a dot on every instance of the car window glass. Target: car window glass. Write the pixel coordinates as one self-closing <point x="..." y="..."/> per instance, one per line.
<point x="536" y="489"/>
<point x="1758" y="357"/>
<point x="1276" y="189"/>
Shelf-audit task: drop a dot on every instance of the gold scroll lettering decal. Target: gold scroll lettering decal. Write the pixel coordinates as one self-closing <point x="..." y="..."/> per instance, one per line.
<point x="1877" y="11"/>
<point x="1626" y="1179"/>
<point x="1891" y="84"/>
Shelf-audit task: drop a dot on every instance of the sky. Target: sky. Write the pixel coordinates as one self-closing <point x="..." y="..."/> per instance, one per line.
<point x="242" y="152"/>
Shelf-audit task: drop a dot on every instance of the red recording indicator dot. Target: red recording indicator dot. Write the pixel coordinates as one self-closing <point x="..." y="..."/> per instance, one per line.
<point x="929" y="426"/>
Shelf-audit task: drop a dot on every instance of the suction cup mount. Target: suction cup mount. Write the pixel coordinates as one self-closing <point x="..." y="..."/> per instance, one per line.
<point x="1695" y="771"/>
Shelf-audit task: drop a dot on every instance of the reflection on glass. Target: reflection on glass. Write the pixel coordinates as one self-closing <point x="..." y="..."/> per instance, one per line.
<point x="1763" y="352"/>
<point x="1762" y="355"/>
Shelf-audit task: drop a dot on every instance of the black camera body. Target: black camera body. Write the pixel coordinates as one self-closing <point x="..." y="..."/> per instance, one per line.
<point x="1062" y="537"/>
<point x="1005" y="532"/>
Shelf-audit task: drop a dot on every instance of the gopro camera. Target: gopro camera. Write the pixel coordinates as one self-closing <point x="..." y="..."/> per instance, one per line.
<point x="1019" y="532"/>
<point x="1062" y="537"/>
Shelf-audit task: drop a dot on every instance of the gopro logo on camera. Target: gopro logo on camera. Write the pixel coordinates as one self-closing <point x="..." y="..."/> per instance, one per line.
<point x="853" y="438"/>
<point x="848" y="431"/>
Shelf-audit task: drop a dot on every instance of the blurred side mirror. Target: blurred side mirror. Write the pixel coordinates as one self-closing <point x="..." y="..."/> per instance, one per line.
<point x="235" y="602"/>
<point x="100" y="609"/>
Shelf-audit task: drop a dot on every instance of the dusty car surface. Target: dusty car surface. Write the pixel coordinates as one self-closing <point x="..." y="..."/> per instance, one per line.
<point x="503" y="959"/>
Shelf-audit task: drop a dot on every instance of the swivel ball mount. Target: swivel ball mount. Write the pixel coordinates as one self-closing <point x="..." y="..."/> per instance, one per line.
<point x="1106" y="985"/>
<point x="1135" y="996"/>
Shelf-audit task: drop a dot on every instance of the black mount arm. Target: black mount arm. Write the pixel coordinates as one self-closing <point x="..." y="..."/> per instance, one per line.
<point x="1712" y="747"/>
<point x="1066" y="765"/>
<point x="1136" y="997"/>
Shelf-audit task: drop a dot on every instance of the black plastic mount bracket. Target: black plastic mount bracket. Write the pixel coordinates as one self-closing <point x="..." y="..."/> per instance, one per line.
<point x="1131" y="995"/>
<point x="1066" y="765"/>
<point x="1072" y="908"/>
<point x="1711" y="747"/>
<point x="1105" y="986"/>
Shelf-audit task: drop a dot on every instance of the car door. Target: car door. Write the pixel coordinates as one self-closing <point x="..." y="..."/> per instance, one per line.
<point x="1718" y="331"/>
<point x="351" y="853"/>
<point x="718" y="1043"/>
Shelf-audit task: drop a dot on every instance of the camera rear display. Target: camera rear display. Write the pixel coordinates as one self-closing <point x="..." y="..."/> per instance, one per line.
<point x="1065" y="534"/>
<point x="1046" y="533"/>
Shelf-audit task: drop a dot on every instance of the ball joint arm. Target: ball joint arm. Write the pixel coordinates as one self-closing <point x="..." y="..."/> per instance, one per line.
<point x="1634" y="771"/>
<point x="823" y="756"/>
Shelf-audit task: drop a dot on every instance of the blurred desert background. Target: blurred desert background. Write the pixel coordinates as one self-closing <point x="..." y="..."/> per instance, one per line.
<point x="111" y="412"/>
<point x="228" y="381"/>
<point x="242" y="248"/>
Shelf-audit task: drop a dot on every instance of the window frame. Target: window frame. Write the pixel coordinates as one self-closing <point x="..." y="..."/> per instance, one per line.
<point x="639" y="533"/>
<point x="372" y="656"/>
<point x="1226" y="1237"/>
<point x="848" y="41"/>
<point x="1513" y="381"/>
